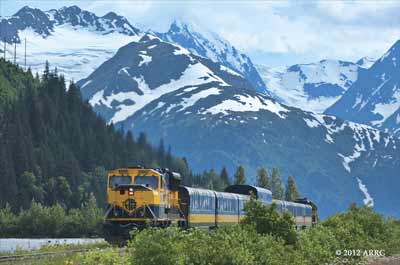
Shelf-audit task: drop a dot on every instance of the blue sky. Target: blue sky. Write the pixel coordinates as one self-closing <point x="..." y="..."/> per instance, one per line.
<point x="270" y="32"/>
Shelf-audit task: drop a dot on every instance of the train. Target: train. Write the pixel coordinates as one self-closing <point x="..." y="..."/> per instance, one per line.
<point x="140" y="197"/>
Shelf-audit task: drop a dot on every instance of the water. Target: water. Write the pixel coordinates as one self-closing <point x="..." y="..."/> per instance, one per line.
<point x="12" y="244"/>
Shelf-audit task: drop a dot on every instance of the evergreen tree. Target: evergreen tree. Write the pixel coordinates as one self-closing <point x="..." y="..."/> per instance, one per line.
<point x="46" y="71"/>
<point x="291" y="192"/>
<point x="168" y="158"/>
<point x="263" y="179"/>
<point x="276" y="184"/>
<point x="224" y="177"/>
<point x="161" y="153"/>
<point x="240" y="177"/>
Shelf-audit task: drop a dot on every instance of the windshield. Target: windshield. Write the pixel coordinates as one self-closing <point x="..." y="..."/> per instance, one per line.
<point x="118" y="180"/>
<point x="148" y="181"/>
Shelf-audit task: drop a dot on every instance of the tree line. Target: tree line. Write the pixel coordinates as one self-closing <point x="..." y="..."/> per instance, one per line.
<point x="210" y="179"/>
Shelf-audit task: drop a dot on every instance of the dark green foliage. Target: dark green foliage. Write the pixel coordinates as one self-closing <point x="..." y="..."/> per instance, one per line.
<point x="291" y="192"/>
<point x="318" y="245"/>
<point x="240" y="177"/>
<point x="249" y="244"/>
<point x="209" y="180"/>
<point x="262" y="239"/>
<point x="225" y="246"/>
<point x="263" y="178"/>
<point x="362" y="228"/>
<point x="266" y="220"/>
<point x="53" y="221"/>
<point x="55" y="149"/>
<point x="276" y="184"/>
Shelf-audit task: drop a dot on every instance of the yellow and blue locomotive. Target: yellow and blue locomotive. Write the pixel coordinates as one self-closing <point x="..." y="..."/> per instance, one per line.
<point x="140" y="197"/>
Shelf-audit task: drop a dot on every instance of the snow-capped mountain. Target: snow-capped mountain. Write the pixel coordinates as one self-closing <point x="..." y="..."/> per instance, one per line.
<point x="142" y="71"/>
<point x="52" y="35"/>
<point x="209" y="45"/>
<point x="44" y="23"/>
<point x="314" y="86"/>
<point x="374" y="99"/>
<point x="214" y="117"/>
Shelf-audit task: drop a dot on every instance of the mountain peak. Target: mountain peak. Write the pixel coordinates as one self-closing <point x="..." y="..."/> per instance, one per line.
<point x="366" y="62"/>
<point x="208" y="44"/>
<point x="179" y="26"/>
<point x="393" y="52"/>
<point x="389" y="63"/>
<point x="28" y="11"/>
<point x="73" y="9"/>
<point x="111" y="15"/>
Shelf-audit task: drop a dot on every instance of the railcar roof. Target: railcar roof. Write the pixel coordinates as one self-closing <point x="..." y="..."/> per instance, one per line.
<point x="200" y="191"/>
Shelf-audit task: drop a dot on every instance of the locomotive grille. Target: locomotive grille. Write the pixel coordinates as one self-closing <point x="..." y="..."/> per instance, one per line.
<point x="130" y="204"/>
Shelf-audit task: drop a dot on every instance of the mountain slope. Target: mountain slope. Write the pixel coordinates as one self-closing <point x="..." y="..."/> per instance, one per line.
<point x="374" y="99"/>
<point x="210" y="45"/>
<point x="215" y="118"/>
<point x="52" y="35"/>
<point x="313" y="87"/>
<point x="232" y="127"/>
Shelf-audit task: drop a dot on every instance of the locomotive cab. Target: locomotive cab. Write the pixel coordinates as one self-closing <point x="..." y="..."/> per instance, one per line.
<point x="139" y="197"/>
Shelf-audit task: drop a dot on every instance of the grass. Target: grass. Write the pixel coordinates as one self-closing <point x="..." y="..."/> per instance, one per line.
<point x="57" y="248"/>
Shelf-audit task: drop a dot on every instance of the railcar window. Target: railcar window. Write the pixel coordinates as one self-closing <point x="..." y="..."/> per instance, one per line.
<point x="148" y="181"/>
<point x="228" y="205"/>
<point x="119" y="180"/>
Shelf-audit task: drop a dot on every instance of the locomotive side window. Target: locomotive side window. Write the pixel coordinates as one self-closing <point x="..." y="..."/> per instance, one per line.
<point x="119" y="180"/>
<point x="148" y="181"/>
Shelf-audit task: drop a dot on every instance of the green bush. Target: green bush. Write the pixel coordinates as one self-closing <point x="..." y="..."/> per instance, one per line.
<point x="103" y="257"/>
<point x="8" y="222"/>
<point x="53" y="221"/>
<point x="359" y="228"/>
<point x="318" y="245"/>
<point x="223" y="246"/>
<point x="266" y="220"/>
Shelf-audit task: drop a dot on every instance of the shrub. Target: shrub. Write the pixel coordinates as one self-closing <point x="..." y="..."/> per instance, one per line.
<point x="266" y="220"/>
<point x="318" y="245"/>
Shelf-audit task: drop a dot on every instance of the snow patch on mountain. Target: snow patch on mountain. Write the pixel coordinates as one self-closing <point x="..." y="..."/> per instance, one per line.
<point x="146" y="59"/>
<point x="366" y="62"/>
<point x="190" y="101"/>
<point x="312" y="123"/>
<point x="242" y="103"/>
<point x="313" y="87"/>
<point x="368" y="201"/>
<point x="193" y="76"/>
<point x="385" y="110"/>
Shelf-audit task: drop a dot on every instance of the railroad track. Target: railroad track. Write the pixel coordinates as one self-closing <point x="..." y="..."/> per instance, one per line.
<point x="40" y="255"/>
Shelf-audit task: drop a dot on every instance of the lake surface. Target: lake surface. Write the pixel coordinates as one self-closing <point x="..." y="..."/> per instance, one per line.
<point x="12" y="244"/>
